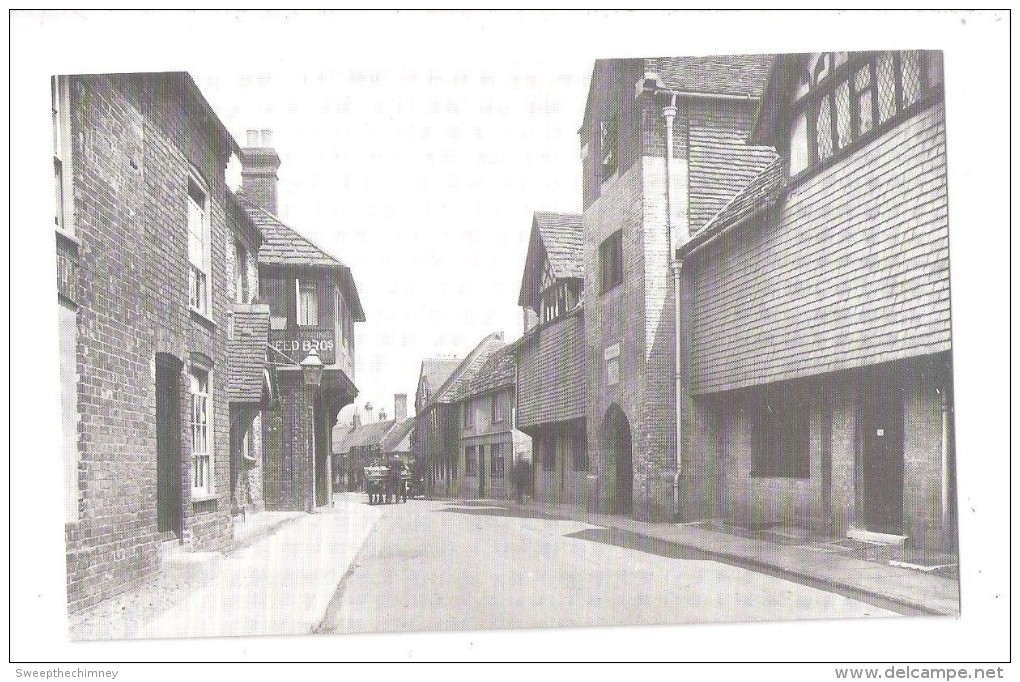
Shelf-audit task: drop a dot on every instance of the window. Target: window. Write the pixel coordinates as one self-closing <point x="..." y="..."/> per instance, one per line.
<point x="549" y="453"/>
<point x="468" y="414"/>
<point x="68" y="327"/>
<point x="61" y="154"/>
<point x="470" y="462"/>
<point x="781" y="423"/>
<point x="497" y="409"/>
<point x="240" y="273"/>
<point x="198" y="247"/>
<point x="201" y="450"/>
<point x="608" y="138"/>
<point x="308" y="303"/>
<point x="274" y="293"/>
<point x="497" y="461"/>
<point x="581" y="462"/>
<point x="841" y="98"/>
<point x="612" y="358"/>
<point x="611" y="260"/>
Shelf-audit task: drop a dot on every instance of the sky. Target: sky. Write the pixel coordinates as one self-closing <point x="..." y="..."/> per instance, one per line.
<point x="422" y="179"/>
<point x="415" y="147"/>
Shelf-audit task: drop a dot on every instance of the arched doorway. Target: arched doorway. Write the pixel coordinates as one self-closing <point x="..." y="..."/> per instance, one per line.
<point x="616" y="444"/>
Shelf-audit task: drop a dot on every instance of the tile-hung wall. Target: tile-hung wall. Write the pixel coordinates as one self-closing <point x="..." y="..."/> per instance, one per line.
<point x="841" y="294"/>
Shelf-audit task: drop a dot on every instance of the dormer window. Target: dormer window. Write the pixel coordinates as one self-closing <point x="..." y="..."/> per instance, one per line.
<point x="843" y="99"/>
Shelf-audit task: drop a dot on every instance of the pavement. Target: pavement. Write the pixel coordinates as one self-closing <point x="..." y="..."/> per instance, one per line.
<point x="284" y="568"/>
<point x="277" y="578"/>
<point x="818" y="561"/>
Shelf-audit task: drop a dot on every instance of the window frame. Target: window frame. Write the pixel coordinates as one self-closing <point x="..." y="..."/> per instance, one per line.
<point x="470" y="460"/>
<point x="497" y="413"/>
<point x="835" y="75"/>
<point x="60" y="101"/>
<point x="242" y="288"/>
<point x="497" y="461"/>
<point x="204" y="296"/>
<point x="301" y="314"/>
<point x="467" y="415"/>
<point x="611" y="262"/>
<point x="201" y="433"/>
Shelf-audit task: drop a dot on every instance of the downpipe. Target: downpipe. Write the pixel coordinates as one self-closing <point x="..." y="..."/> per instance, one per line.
<point x="669" y="115"/>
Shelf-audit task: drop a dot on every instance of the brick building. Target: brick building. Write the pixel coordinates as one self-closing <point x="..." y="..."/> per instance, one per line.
<point x="816" y="321"/>
<point x="313" y="304"/>
<point x="437" y="429"/>
<point x="663" y="145"/>
<point x="144" y="222"/>
<point x="489" y="442"/>
<point x="552" y="360"/>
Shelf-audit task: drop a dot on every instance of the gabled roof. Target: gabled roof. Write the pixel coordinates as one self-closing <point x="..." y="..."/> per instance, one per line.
<point x="364" y="435"/>
<point x="499" y="370"/>
<point x="398" y="438"/>
<point x="246" y="353"/>
<point x="563" y="241"/>
<point x="732" y="74"/>
<point x="435" y="372"/>
<point x="759" y="193"/>
<point x="560" y="237"/>
<point x="742" y="75"/>
<point x="285" y="246"/>
<point x="452" y="388"/>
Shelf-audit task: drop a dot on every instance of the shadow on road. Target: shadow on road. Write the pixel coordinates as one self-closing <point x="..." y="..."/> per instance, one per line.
<point x="641" y="543"/>
<point x="488" y="509"/>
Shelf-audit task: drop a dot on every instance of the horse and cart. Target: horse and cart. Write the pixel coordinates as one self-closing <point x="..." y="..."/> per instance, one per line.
<point x="387" y="484"/>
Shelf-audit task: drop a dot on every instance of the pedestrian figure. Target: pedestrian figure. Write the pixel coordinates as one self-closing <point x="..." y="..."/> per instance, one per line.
<point x="521" y="475"/>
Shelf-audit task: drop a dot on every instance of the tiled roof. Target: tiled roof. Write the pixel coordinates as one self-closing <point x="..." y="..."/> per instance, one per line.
<point x="721" y="163"/>
<point x="437" y="370"/>
<point x="398" y="438"/>
<point x="246" y="353"/>
<point x="498" y="371"/>
<point x="716" y="74"/>
<point x="283" y="245"/>
<point x="366" y="434"/>
<point x="456" y="386"/>
<point x="564" y="242"/>
<point x="758" y="193"/>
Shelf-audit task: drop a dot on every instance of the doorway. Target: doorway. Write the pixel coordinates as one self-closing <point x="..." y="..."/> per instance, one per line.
<point x="169" y="517"/>
<point x="616" y="442"/>
<point x="880" y="469"/>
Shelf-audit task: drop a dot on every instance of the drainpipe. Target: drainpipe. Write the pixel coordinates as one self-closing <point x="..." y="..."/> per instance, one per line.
<point x="669" y="115"/>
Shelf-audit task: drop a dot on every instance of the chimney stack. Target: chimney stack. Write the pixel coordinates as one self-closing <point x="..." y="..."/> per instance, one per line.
<point x="368" y="413"/>
<point x="382" y="414"/>
<point x="259" y="163"/>
<point x="400" y="406"/>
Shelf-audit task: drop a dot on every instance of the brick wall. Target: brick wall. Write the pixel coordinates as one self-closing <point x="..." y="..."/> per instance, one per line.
<point x="132" y="143"/>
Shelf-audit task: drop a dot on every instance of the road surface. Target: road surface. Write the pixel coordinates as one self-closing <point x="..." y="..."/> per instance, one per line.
<point x="447" y="565"/>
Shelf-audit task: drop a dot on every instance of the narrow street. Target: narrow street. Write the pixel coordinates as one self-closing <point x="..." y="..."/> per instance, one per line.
<point x="459" y="565"/>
